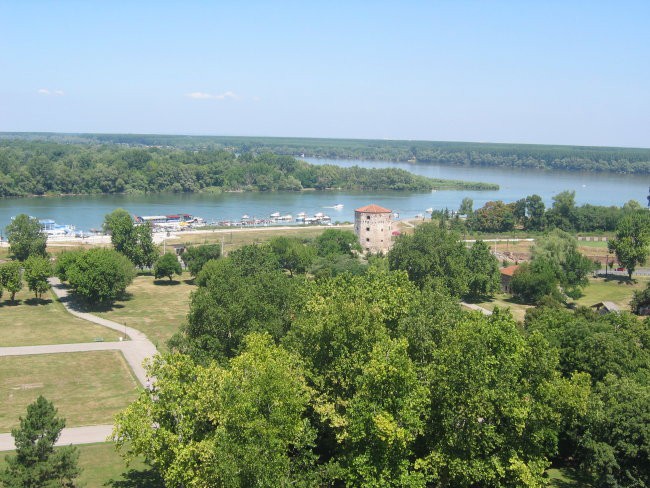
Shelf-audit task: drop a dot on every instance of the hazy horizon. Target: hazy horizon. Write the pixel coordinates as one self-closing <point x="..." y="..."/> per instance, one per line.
<point x="553" y="74"/>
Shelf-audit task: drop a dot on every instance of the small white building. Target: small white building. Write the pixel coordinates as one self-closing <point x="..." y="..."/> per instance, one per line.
<point x="373" y="225"/>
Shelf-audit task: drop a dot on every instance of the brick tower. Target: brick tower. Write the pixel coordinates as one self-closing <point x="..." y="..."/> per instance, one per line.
<point x="373" y="225"/>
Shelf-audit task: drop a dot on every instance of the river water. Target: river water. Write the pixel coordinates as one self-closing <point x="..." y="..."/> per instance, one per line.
<point x="87" y="212"/>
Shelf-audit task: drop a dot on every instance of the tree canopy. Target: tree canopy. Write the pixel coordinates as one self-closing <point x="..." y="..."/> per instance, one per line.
<point x="26" y="238"/>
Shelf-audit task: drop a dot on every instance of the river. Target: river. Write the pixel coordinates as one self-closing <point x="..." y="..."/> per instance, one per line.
<point x="87" y="212"/>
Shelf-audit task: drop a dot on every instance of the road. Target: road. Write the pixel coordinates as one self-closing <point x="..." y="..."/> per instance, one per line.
<point x="136" y="350"/>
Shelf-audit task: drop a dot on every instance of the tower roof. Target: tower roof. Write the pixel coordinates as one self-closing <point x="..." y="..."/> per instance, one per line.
<point x="372" y="208"/>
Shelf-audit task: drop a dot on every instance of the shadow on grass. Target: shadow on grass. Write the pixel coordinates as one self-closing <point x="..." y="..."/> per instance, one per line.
<point x="133" y="478"/>
<point x="37" y="301"/>
<point x="568" y="477"/>
<point x="78" y="304"/>
<point x="189" y="282"/>
<point x="621" y="280"/>
<point x="165" y="282"/>
<point x="9" y="303"/>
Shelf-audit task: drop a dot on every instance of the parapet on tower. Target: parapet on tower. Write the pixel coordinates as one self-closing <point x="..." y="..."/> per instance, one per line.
<point x="373" y="225"/>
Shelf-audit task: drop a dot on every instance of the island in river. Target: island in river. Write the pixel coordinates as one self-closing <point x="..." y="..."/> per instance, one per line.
<point x="41" y="167"/>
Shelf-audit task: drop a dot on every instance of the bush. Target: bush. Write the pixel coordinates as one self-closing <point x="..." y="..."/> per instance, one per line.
<point x="63" y="263"/>
<point x="100" y="275"/>
<point x="167" y="265"/>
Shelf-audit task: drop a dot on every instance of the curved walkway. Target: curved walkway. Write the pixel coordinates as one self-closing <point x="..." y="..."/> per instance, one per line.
<point x="135" y="351"/>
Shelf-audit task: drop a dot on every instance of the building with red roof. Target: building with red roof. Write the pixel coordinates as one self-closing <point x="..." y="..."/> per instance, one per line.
<point x="373" y="225"/>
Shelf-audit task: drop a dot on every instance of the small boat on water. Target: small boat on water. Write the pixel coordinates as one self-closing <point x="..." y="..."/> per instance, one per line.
<point x="338" y="206"/>
<point x="52" y="229"/>
<point x="429" y="210"/>
<point x="275" y="215"/>
<point x="245" y="217"/>
<point x="285" y="217"/>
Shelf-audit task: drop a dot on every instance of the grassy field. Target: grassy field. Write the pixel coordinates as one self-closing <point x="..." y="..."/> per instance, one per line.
<point x="235" y="238"/>
<point x="155" y="307"/>
<point x="503" y="300"/>
<point x="87" y="387"/>
<point x="617" y="290"/>
<point x="31" y="322"/>
<point x="102" y="466"/>
<point x="564" y="478"/>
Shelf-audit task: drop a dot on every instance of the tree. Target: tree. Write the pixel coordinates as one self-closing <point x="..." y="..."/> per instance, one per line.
<point x="336" y="241"/>
<point x="11" y="278"/>
<point x="134" y="241"/>
<point x="632" y="242"/>
<point x="100" y="275"/>
<point x="640" y="299"/>
<point x="167" y="265"/>
<point x="37" y="271"/>
<point x="64" y="261"/>
<point x="535" y="210"/>
<point x="384" y="418"/>
<point x="292" y="254"/>
<point x="493" y="217"/>
<point x="26" y="238"/>
<point x="485" y="279"/>
<point x="238" y="425"/>
<point x="572" y="268"/>
<point x="535" y="280"/>
<point x="36" y="463"/>
<point x="466" y="206"/>
<point x="229" y="303"/>
<point x="195" y="257"/>
<point x="432" y="255"/>
<point x="563" y="212"/>
<point x="496" y="406"/>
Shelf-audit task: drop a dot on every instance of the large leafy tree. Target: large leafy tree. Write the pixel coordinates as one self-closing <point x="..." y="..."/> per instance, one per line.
<point x="240" y="425"/>
<point x="11" y="278"/>
<point x="484" y="280"/>
<point x="195" y="257"/>
<point x="383" y="420"/>
<point x="632" y="242"/>
<point x="572" y="269"/>
<point x="336" y="241"/>
<point x="37" y="270"/>
<point x="493" y="217"/>
<point x="229" y="303"/>
<point x="36" y="463"/>
<point x="167" y="265"/>
<point x="26" y="238"/>
<point x="134" y="241"/>
<point x="100" y="275"/>
<point x="292" y="254"/>
<point x="432" y="255"/>
<point x="497" y="405"/>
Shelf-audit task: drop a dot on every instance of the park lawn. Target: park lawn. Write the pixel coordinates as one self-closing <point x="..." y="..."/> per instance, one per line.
<point x="617" y="290"/>
<point x="101" y="465"/>
<point x="31" y="322"/>
<point x="155" y="307"/>
<point x="564" y="478"/>
<point x="236" y="238"/>
<point x="503" y="300"/>
<point x="88" y="388"/>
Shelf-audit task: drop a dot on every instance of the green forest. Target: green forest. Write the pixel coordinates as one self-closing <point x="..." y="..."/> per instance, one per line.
<point x="538" y="156"/>
<point x="36" y="167"/>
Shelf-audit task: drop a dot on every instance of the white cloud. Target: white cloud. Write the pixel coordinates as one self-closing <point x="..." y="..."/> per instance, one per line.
<point x="209" y="96"/>
<point x="48" y="92"/>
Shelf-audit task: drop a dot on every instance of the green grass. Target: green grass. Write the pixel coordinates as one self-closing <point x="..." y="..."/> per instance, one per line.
<point x="565" y="478"/>
<point x="235" y="238"/>
<point x="503" y="300"/>
<point x="617" y="290"/>
<point x="597" y="244"/>
<point x="87" y="387"/>
<point x="102" y="466"/>
<point x="31" y="322"/>
<point x="155" y="307"/>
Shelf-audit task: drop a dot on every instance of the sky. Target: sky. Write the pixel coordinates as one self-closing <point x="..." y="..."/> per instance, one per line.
<point x="551" y="72"/>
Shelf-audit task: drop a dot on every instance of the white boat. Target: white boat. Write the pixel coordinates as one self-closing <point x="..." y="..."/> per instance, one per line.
<point x="275" y="215"/>
<point x="245" y="217"/>
<point x="285" y="217"/>
<point x="338" y="206"/>
<point x="302" y="214"/>
<point x="429" y="210"/>
<point x="319" y="215"/>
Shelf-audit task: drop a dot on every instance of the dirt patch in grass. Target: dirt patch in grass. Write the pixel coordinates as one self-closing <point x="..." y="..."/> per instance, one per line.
<point x="88" y="388"/>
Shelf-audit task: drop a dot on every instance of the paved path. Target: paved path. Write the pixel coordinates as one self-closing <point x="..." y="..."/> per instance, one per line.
<point x="89" y="434"/>
<point x="135" y="351"/>
<point x="472" y="306"/>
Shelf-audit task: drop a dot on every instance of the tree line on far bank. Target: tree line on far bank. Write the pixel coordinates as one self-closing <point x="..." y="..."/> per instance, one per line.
<point x="39" y="168"/>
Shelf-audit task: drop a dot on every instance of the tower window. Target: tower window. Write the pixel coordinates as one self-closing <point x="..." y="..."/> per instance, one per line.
<point x="367" y="239"/>
<point x="367" y="217"/>
<point x="367" y="229"/>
